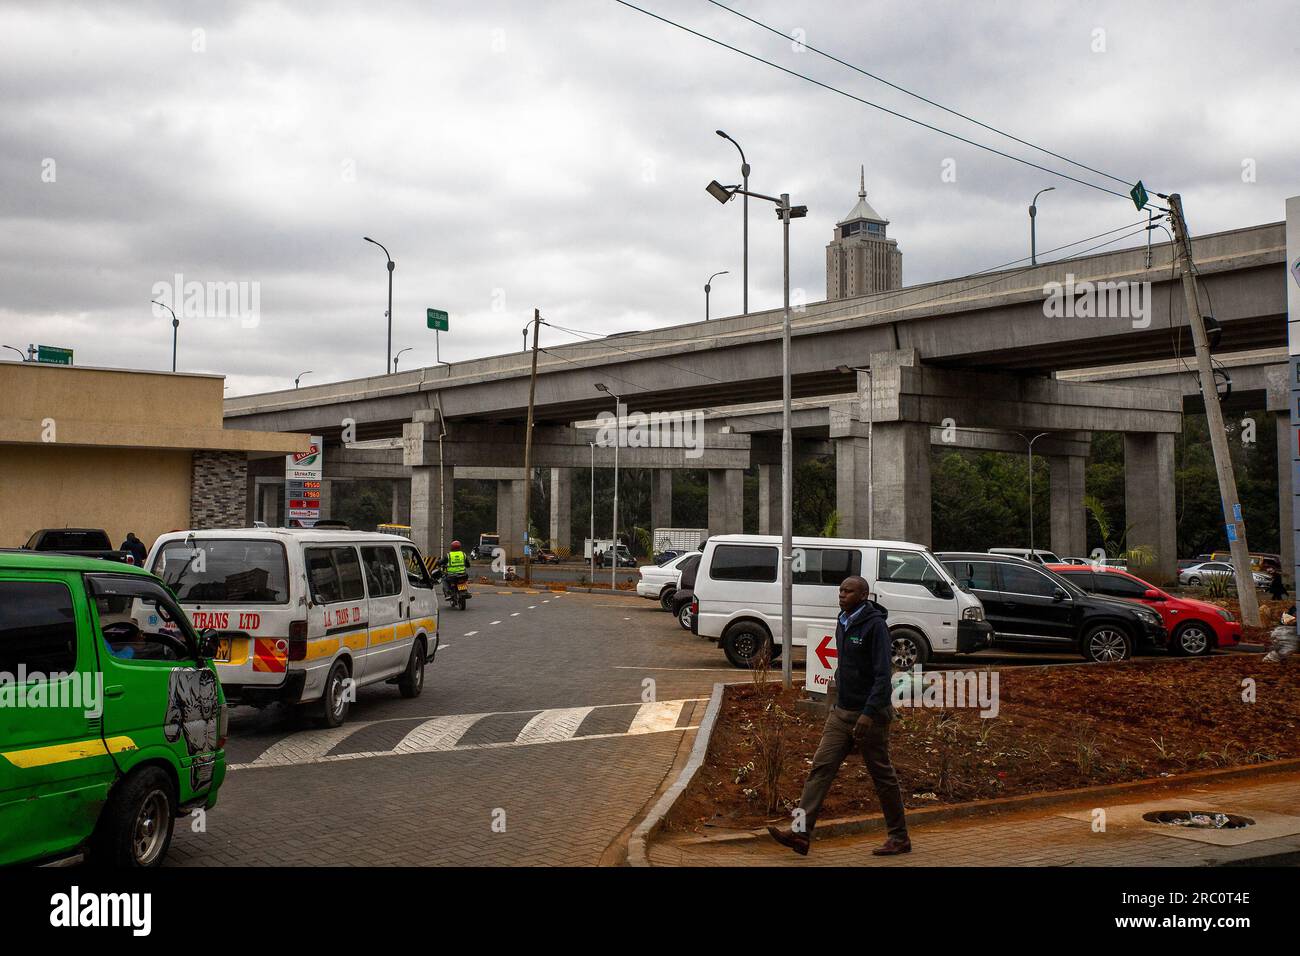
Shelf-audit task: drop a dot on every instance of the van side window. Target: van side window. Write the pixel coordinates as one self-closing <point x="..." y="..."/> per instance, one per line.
<point x="138" y="619"/>
<point x="383" y="576"/>
<point x="349" y="566"/>
<point x="335" y="574"/>
<point x="825" y="566"/>
<point x="907" y="567"/>
<point x="742" y="562"/>
<point x="38" y="630"/>
<point x="416" y="572"/>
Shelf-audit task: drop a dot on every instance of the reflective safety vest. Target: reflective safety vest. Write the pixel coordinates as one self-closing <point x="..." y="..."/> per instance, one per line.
<point x="456" y="562"/>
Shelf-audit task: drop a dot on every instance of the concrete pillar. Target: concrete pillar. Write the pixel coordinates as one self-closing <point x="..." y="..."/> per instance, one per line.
<point x="1285" y="493"/>
<point x="726" y="501"/>
<point x="661" y="498"/>
<point x="1149" y="500"/>
<point x="401" y="502"/>
<point x="902" y="482"/>
<point x="769" y="499"/>
<point x="851" y="459"/>
<point x="510" y="518"/>
<point x="1069" y="518"/>
<point x="562" y="510"/>
<point x="431" y="525"/>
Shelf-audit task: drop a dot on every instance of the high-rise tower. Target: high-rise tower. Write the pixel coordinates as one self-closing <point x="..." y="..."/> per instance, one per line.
<point x="861" y="259"/>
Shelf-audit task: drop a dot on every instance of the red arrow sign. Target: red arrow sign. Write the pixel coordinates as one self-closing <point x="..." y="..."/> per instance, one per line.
<point x="824" y="651"/>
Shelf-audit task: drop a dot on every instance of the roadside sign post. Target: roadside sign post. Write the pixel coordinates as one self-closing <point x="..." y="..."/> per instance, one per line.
<point x="303" y="474"/>
<point x="53" y="355"/>
<point x="821" y="658"/>
<point x="439" y="321"/>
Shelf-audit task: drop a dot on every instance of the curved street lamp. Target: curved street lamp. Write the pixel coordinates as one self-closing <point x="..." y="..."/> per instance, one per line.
<point x="708" y="287"/>
<point x="22" y="355"/>
<point x="176" y="324"/>
<point x="744" y="173"/>
<point x="1033" y="238"/>
<point x="300" y="375"/>
<point x="399" y="355"/>
<point x="389" y="314"/>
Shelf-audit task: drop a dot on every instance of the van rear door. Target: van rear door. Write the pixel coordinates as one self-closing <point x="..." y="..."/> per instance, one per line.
<point x="390" y="633"/>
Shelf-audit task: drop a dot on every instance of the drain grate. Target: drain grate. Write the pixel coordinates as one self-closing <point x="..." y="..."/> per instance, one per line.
<point x="1198" y="819"/>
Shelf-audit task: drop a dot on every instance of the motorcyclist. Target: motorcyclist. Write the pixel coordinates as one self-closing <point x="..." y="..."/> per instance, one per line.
<point x="455" y="564"/>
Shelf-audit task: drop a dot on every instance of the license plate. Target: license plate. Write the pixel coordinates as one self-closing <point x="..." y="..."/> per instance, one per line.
<point x="223" y="649"/>
<point x="462" y="587"/>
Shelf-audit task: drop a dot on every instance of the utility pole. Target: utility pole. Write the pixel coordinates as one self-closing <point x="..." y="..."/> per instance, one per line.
<point x="528" y="455"/>
<point x="787" y="462"/>
<point x="1232" y="516"/>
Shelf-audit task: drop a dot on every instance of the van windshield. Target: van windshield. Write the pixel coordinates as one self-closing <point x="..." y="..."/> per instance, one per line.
<point x="224" y="571"/>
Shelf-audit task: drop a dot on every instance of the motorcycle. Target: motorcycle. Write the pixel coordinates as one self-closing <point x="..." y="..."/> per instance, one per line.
<point x="455" y="588"/>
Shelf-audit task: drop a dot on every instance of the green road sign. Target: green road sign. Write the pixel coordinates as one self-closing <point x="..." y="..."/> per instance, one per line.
<point x="1139" y="194"/>
<point x="438" y="320"/>
<point x="53" y="355"/>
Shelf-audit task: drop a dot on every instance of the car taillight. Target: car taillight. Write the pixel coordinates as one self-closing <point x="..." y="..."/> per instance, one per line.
<point x="297" y="640"/>
<point x="223" y="725"/>
<point x="695" y="605"/>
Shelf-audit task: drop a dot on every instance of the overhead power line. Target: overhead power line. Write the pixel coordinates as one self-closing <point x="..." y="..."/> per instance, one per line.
<point x="876" y="106"/>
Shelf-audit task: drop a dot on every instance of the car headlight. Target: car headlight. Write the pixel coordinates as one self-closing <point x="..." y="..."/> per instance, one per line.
<point x="973" y="614"/>
<point x="1226" y="615"/>
<point x="1150" y="617"/>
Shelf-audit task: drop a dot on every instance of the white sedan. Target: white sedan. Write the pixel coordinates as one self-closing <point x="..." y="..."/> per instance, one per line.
<point x="1200" y="573"/>
<point x="658" y="582"/>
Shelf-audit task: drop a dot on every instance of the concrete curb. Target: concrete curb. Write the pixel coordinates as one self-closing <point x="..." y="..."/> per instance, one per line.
<point x="846" y="826"/>
<point x="638" y="843"/>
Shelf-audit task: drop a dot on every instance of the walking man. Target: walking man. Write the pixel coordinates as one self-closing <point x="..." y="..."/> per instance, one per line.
<point x="860" y="720"/>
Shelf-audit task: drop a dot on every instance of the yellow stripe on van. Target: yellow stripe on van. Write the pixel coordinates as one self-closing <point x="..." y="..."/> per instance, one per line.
<point x="321" y="647"/>
<point x="382" y="635"/>
<point x="405" y="629"/>
<point x="62" y="753"/>
<point x="356" y="641"/>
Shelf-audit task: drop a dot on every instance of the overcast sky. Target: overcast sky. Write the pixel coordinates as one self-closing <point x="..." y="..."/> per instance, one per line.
<point x="515" y="154"/>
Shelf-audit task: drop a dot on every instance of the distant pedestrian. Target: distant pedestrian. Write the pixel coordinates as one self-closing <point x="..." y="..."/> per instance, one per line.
<point x="136" y="548"/>
<point x="860" y="720"/>
<point x="1277" y="587"/>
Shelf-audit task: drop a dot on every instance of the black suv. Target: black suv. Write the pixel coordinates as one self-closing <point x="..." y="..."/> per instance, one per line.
<point x="1030" y="606"/>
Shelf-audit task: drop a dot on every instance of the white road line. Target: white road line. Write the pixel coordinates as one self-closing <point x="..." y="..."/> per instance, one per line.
<point x="515" y="614"/>
<point x="496" y="622"/>
<point x="440" y="733"/>
<point x="546" y="602"/>
<point x="653" y="717"/>
<point x="551" y="725"/>
<point x="470" y="633"/>
<point x="532" y="607"/>
<point x="305" y="747"/>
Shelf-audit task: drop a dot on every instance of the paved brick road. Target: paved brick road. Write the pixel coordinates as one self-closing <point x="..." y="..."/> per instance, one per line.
<point x="538" y="721"/>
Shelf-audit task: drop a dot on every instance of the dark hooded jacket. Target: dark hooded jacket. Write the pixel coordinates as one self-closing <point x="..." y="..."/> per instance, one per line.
<point x="862" y="678"/>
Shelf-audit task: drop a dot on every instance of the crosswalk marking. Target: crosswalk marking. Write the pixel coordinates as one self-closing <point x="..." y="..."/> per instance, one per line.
<point x="657" y="716"/>
<point x="496" y="622"/>
<point x="440" y="733"/>
<point x="552" y="725"/>
<point x="305" y="747"/>
<point x="470" y="633"/>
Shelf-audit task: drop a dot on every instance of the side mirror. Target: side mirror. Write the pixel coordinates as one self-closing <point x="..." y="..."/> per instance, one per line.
<point x="209" y="639"/>
<point x="943" y="590"/>
<point x="1058" y="595"/>
<point x="1151" y="594"/>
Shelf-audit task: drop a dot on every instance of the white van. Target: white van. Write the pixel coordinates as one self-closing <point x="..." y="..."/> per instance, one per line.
<point x="305" y="616"/>
<point x="738" y="595"/>
<point x="1038" y="555"/>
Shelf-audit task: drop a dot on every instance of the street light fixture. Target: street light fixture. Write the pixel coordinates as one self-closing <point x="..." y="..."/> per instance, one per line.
<point x="871" y="444"/>
<point x="708" y="287"/>
<point x="399" y="355"/>
<point x="744" y="173"/>
<point x="1030" y="442"/>
<point x="176" y="324"/>
<point x="785" y="212"/>
<point x="299" y="377"/>
<point x="388" y="368"/>
<point x="22" y="355"/>
<point x="618" y="420"/>
<point x="1033" y="238"/>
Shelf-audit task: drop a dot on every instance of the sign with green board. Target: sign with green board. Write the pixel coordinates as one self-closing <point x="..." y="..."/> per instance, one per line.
<point x="437" y="320"/>
<point x="53" y="355"/>
<point x="1139" y="194"/>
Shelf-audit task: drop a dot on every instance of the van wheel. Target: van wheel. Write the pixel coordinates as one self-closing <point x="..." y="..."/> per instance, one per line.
<point x="334" y="703"/>
<point x="666" y="599"/>
<point x="136" y="828"/>
<point x="743" y="642"/>
<point x="907" y="649"/>
<point x="412" y="680"/>
<point x="1107" y="643"/>
<point x="1192" y="639"/>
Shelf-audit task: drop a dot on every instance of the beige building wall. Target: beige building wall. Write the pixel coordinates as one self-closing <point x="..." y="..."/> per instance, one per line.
<point x="117" y="489"/>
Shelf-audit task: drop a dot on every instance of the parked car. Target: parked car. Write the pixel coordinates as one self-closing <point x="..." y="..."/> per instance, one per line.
<point x="113" y="783"/>
<point x="737" y="599"/>
<point x="546" y="556"/>
<point x="78" y="542"/>
<point x="663" y="557"/>
<point x="1075" y="561"/>
<point x="1198" y="574"/>
<point x="1194" y="627"/>
<point x="1029" y="606"/>
<point x="305" y="617"/>
<point x="1037" y="555"/>
<point x="625" y="560"/>
<point x="658" y="582"/>
<point x="684" y="608"/>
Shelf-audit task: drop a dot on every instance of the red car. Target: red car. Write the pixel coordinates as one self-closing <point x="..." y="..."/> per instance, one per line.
<point x="1194" y="627"/>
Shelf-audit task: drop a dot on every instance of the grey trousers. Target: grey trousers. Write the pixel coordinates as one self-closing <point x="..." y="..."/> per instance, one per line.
<point x="837" y="743"/>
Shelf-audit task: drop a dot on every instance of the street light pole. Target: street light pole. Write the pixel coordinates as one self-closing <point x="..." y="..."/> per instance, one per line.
<point x="299" y="377"/>
<point x="388" y="352"/>
<point x="707" y="287"/>
<point x="20" y="352"/>
<point x="1030" y="442"/>
<point x="744" y="179"/>
<point x="618" y="440"/>
<point x="176" y="324"/>
<point x="591" y="509"/>
<point x="399" y="355"/>
<point x="1033" y="238"/>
